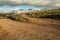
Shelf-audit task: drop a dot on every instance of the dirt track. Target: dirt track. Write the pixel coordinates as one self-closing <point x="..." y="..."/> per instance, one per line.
<point x="13" y="30"/>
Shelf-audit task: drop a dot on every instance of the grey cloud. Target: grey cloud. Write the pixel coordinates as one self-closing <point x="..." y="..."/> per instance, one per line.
<point x="55" y="3"/>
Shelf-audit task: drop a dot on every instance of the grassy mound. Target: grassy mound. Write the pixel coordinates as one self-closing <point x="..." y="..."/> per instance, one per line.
<point x="18" y="17"/>
<point x="15" y="17"/>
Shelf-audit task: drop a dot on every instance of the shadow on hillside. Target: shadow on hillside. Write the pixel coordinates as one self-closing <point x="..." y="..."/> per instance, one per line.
<point x="56" y="17"/>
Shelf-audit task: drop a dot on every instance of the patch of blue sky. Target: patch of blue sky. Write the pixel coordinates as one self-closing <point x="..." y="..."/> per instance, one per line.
<point x="21" y="7"/>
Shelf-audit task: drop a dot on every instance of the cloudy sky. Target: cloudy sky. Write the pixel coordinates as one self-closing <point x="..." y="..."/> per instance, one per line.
<point x="53" y="3"/>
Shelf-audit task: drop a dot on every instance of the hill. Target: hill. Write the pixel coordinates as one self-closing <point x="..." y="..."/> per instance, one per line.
<point x="30" y="26"/>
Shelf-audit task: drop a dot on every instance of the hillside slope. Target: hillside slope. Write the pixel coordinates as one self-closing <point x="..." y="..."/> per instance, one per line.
<point x="12" y="30"/>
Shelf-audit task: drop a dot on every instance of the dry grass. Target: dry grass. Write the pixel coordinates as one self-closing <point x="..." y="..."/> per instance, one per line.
<point x="12" y="30"/>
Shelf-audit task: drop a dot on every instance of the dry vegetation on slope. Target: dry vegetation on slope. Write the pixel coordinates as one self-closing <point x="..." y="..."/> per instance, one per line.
<point x="53" y="14"/>
<point x="27" y="27"/>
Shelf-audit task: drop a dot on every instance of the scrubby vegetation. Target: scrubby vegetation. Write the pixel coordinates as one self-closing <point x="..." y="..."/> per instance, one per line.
<point x="53" y="14"/>
<point x="18" y="18"/>
<point x="15" y="17"/>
